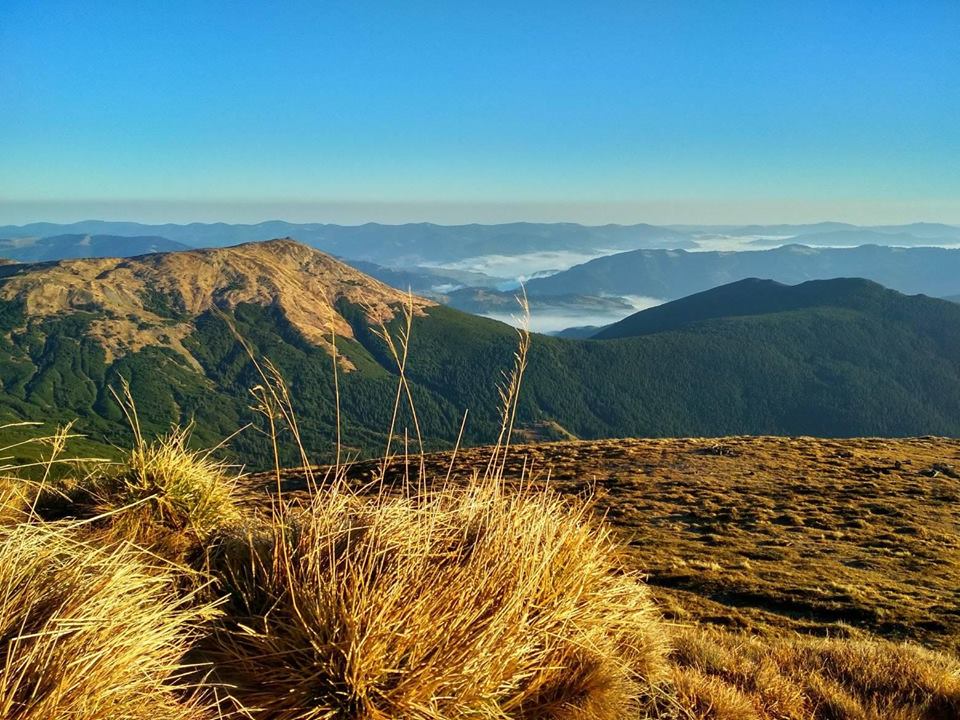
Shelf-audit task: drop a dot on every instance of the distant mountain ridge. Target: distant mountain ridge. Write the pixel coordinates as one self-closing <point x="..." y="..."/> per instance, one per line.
<point x="852" y="237"/>
<point x="412" y="244"/>
<point x="671" y="274"/>
<point x="408" y="244"/>
<point x="75" y="246"/>
<point x="916" y="230"/>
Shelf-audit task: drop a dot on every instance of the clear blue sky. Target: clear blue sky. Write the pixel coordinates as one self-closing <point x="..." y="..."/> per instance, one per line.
<point x="667" y="111"/>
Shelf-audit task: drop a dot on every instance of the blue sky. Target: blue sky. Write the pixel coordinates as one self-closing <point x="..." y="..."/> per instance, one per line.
<point x="683" y="112"/>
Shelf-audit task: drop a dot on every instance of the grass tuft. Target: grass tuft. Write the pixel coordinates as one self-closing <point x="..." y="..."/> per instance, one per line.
<point x="719" y="675"/>
<point x="90" y="633"/>
<point x="466" y="603"/>
<point x="167" y="484"/>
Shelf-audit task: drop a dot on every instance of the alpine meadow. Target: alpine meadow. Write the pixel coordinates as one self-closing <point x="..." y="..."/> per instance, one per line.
<point x="390" y="361"/>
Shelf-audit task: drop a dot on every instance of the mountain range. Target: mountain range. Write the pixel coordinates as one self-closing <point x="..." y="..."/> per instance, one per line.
<point x="61" y="247"/>
<point x="838" y="357"/>
<point x="923" y="230"/>
<point x="413" y="244"/>
<point x="851" y="237"/>
<point x="671" y="274"/>
<point x="392" y="245"/>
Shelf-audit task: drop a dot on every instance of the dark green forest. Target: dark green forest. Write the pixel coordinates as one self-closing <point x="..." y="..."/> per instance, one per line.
<point x="840" y="358"/>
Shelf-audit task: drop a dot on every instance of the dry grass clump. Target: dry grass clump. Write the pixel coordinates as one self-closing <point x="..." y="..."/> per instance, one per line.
<point x="166" y="484"/>
<point x="164" y="487"/>
<point x="726" y="676"/>
<point x="164" y="496"/>
<point x="89" y="633"/>
<point x="467" y="603"/>
<point x="14" y="501"/>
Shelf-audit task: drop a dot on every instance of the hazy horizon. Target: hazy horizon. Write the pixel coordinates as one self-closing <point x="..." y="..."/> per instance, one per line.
<point x="359" y="213"/>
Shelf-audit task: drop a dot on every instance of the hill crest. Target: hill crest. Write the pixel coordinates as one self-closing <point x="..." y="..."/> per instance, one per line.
<point x="151" y="299"/>
<point x="752" y="296"/>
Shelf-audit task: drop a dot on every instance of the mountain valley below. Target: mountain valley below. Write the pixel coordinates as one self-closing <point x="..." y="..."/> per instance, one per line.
<point x="829" y="358"/>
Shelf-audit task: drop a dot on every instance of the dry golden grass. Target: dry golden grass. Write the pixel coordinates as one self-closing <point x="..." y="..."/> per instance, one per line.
<point x="90" y="633"/>
<point x="718" y="675"/>
<point x="165" y="488"/>
<point x="461" y="604"/>
<point x="163" y="495"/>
<point x="857" y="537"/>
<point x="484" y="599"/>
<point x="14" y="501"/>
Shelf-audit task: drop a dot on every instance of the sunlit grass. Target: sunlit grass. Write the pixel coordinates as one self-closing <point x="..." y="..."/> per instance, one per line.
<point x="93" y="633"/>
<point x="148" y="585"/>
<point x="463" y="603"/>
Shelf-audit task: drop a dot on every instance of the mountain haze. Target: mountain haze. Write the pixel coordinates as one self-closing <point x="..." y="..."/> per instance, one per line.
<point x="671" y="274"/>
<point x="412" y="244"/>
<point x="404" y="245"/>
<point x="60" y="247"/>
<point x="852" y="237"/>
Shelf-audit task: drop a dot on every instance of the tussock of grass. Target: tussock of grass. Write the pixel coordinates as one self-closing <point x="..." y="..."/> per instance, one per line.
<point x="725" y="676"/>
<point x="89" y="633"/>
<point x="462" y="604"/>
<point x="163" y="495"/>
<point x="166" y="484"/>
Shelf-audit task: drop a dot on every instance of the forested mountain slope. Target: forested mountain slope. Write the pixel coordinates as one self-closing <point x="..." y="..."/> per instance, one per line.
<point x="855" y="360"/>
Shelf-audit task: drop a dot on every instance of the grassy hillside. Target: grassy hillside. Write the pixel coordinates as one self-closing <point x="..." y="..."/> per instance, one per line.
<point x="834" y="359"/>
<point x="706" y="579"/>
<point x="853" y="538"/>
